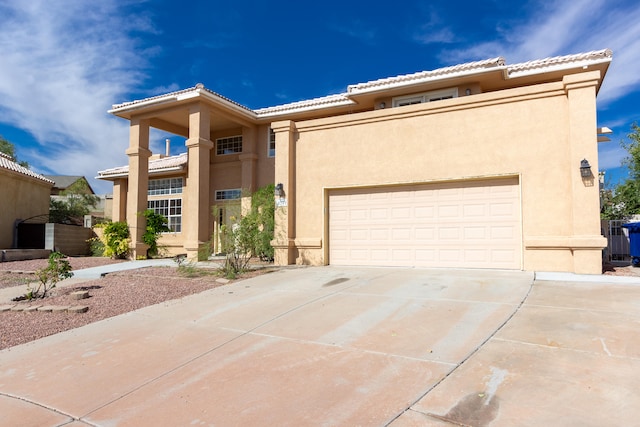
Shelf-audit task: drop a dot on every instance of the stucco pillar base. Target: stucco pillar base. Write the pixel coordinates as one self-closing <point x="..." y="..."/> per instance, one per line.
<point x="284" y="252"/>
<point x="195" y="251"/>
<point x="587" y="261"/>
<point x="137" y="250"/>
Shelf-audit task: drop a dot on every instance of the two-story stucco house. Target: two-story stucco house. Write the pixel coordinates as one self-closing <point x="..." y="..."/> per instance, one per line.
<point x="479" y="165"/>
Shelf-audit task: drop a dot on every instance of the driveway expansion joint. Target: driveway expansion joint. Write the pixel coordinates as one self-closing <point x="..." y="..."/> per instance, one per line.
<point x="474" y="351"/>
<point x="47" y="408"/>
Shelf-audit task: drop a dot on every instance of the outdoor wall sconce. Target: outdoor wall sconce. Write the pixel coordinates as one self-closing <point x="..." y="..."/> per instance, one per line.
<point x="585" y="168"/>
<point x="467" y="92"/>
<point x="279" y="191"/>
<point x="382" y="105"/>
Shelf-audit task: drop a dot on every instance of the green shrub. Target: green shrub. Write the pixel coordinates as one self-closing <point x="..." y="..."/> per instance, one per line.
<point x="249" y="236"/>
<point x="96" y="246"/>
<point x="116" y="239"/>
<point x="156" y="224"/>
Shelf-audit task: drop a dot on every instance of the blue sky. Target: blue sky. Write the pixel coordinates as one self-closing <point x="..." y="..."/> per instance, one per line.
<point x="64" y="63"/>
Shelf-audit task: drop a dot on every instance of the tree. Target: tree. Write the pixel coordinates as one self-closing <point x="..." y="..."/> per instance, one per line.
<point x="9" y="149"/>
<point x="623" y="201"/>
<point x="77" y="201"/>
<point x="250" y="235"/>
<point x="57" y="269"/>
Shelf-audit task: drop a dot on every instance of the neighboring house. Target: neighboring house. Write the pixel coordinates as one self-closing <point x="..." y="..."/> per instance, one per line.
<point x="23" y="194"/>
<point x="63" y="182"/>
<point x="476" y="165"/>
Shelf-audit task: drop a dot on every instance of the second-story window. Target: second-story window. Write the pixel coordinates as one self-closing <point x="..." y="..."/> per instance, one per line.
<point x="420" y="98"/>
<point x="229" y="145"/>
<point x="271" y="147"/>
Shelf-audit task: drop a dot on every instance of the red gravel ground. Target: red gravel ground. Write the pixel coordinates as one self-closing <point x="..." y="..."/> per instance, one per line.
<point x="115" y="294"/>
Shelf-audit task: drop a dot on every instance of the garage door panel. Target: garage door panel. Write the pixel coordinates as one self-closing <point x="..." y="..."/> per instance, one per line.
<point x="475" y="233"/>
<point x="474" y="224"/>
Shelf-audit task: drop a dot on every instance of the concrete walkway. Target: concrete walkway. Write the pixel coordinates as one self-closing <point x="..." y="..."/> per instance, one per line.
<point x="344" y="346"/>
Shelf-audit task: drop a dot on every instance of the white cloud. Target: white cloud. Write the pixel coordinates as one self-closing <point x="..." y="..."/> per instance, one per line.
<point x="356" y="29"/>
<point x="563" y="28"/>
<point x="433" y="30"/>
<point x="64" y="64"/>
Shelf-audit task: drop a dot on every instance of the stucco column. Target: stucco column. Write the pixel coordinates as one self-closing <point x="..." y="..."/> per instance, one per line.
<point x="196" y="200"/>
<point x="285" y="232"/>
<point x="248" y="160"/>
<point x="136" y="199"/>
<point x="586" y="239"/>
<point x="119" y="209"/>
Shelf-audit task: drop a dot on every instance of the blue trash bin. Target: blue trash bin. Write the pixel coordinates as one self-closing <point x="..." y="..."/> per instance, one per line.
<point x="634" y="242"/>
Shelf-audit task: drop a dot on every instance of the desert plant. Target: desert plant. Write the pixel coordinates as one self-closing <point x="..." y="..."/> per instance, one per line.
<point x="250" y="235"/>
<point x="116" y="239"/>
<point x="261" y="221"/>
<point x="156" y="224"/>
<point x="58" y="268"/>
<point x="96" y="245"/>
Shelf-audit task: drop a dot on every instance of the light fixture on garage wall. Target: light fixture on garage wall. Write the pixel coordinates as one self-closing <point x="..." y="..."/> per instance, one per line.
<point x="279" y="191"/>
<point x="468" y="92"/>
<point x="585" y="169"/>
<point x="382" y="105"/>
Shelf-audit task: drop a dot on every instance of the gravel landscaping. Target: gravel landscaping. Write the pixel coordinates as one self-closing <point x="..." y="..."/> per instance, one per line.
<point x="115" y="294"/>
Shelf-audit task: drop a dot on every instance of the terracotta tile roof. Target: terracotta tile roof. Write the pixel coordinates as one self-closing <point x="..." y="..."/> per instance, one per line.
<point x="158" y="165"/>
<point x="199" y="88"/>
<point x="7" y="163"/>
<point x="422" y="76"/>
<point x="344" y="99"/>
<point x="575" y="60"/>
<point x="325" y="101"/>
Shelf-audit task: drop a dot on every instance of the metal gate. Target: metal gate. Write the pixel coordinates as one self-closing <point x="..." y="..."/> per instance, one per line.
<point x="617" y="240"/>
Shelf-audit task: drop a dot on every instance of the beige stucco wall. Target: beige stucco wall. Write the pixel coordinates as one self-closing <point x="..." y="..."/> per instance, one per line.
<point x="225" y="172"/>
<point x="22" y="197"/>
<point x="539" y="133"/>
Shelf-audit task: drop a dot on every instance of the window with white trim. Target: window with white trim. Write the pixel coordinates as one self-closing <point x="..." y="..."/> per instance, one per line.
<point x="271" y="144"/>
<point x="158" y="187"/>
<point x="170" y="209"/>
<point x="231" y="194"/>
<point x="421" y="98"/>
<point x="229" y="145"/>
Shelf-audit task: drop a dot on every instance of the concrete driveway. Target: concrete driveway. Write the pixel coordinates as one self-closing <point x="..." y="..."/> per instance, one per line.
<point x="344" y="347"/>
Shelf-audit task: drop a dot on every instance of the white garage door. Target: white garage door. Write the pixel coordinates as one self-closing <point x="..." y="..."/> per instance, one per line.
<point x="471" y="224"/>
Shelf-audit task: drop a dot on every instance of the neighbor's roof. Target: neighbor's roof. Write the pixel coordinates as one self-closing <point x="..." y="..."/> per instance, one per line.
<point x="344" y="99"/>
<point x="165" y="164"/>
<point x="7" y="163"/>
<point x="65" y="181"/>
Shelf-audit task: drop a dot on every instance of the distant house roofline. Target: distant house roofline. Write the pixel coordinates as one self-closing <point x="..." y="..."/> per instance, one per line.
<point x="8" y="164"/>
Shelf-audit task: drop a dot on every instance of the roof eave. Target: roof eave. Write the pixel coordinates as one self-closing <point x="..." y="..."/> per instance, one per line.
<point x="151" y="172"/>
<point x="560" y="67"/>
<point x="121" y="110"/>
<point x="289" y="111"/>
<point x="430" y="79"/>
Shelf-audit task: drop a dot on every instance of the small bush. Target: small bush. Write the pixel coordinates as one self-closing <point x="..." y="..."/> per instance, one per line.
<point x="97" y="247"/>
<point x="156" y="224"/>
<point x="116" y="239"/>
<point x="56" y="270"/>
